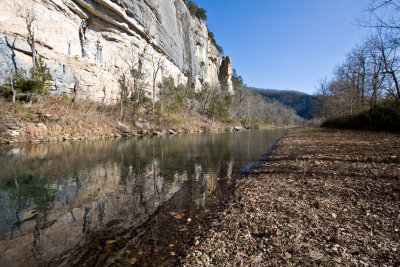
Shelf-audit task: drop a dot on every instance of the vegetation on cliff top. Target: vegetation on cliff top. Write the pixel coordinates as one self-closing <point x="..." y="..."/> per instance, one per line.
<point x="201" y="14"/>
<point x="196" y="11"/>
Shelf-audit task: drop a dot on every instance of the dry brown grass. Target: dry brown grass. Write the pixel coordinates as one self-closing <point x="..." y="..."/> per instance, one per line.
<point x="85" y="119"/>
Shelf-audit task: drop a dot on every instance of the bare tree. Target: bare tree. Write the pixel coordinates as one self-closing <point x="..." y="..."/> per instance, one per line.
<point x="375" y="73"/>
<point x="76" y="88"/>
<point x="11" y="78"/>
<point x="383" y="14"/>
<point x="123" y="93"/>
<point x="13" y="72"/>
<point x="133" y="73"/>
<point x="134" y="60"/>
<point x="26" y="11"/>
<point x="388" y="47"/>
<point x="157" y="64"/>
<point x="161" y="86"/>
<point x="324" y="95"/>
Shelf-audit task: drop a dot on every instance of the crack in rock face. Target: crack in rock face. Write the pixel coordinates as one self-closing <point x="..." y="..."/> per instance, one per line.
<point x="92" y="41"/>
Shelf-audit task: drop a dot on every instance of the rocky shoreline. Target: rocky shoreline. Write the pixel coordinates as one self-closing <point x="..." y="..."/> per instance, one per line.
<point x="41" y="132"/>
<point x="323" y="197"/>
<point x="55" y="121"/>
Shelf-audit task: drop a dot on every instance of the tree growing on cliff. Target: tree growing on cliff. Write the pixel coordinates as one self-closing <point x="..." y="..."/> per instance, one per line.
<point x="134" y="60"/>
<point x="123" y="94"/>
<point x="176" y="97"/>
<point x="196" y="11"/>
<point x="213" y="102"/>
<point x="11" y="72"/>
<point x="19" y="85"/>
<point x="26" y="11"/>
<point x="132" y="79"/>
<point x="157" y="67"/>
<point x="214" y="42"/>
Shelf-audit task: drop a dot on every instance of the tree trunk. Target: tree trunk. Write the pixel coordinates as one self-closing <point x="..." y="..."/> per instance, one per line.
<point x="13" y="93"/>
<point x="121" y="106"/>
<point x="154" y="92"/>
<point x="31" y="42"/>
<point x="396" y="84"/>
<point x="213" y="113"/>
<point x="121" y="109"/>
<point x="162" y="100"/>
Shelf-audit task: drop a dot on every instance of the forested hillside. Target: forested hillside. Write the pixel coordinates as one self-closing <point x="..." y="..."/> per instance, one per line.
<point x="306" y="106"/>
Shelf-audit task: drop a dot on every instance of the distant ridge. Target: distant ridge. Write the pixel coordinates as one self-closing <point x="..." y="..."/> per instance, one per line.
<point x="306" y="106"/>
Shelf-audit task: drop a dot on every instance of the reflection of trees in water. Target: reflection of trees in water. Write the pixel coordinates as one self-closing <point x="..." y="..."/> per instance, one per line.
<point x="98" y="199"/>
<point x="64" y="191"/>
<point x="47" y="169"/>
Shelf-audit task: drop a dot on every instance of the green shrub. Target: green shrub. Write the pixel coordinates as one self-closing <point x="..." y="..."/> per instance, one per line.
<point x="39" y="82"/>
<point x="42" y="77"/>
<point x="384" y="116"/>
<point x="174" y="121"/>
<point x="228" y="120"/>
<point x="175" y="97"/>
<point x="196" y="11"/>
<point x="212" y="38"/>
<point x="245" y="122"/>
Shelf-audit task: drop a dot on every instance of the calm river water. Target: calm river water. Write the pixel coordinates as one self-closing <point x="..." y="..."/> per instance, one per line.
<point x="114" y="201"/>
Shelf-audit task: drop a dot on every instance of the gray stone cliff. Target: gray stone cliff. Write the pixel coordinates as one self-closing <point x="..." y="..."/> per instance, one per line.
<point x="90" y="44"/>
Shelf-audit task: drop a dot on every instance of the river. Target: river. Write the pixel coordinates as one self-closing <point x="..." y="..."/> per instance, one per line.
<point x="121" y="201"/>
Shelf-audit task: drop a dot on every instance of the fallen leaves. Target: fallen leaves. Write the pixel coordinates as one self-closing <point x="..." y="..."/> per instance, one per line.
<point x="109" y="242"/>
<point x="176" y="215"/>
<point x="322" y="197"/>
<point x="133" y="261"/>
<point x="218" y="234"/>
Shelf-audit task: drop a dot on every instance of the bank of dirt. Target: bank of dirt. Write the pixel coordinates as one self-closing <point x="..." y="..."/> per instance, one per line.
<point x="57" y="118"/>
<point x="323" y="197"/>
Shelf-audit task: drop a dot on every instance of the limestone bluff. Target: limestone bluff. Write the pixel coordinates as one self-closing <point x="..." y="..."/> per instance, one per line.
<point x="89" y="41"/>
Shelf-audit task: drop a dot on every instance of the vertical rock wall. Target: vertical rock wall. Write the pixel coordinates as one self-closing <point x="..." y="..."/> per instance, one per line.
<point x="90" y="44"/>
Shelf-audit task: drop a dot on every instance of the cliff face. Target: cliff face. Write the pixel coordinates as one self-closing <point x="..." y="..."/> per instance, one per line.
<point x="90" y="44"/>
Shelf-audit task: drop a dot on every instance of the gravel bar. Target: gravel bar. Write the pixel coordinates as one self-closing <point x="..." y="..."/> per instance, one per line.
<point x="322" y="197"/>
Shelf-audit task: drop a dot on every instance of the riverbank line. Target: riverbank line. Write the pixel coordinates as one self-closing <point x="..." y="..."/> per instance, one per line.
<point x="58" y="119"/>
<point x="322" y="197"/>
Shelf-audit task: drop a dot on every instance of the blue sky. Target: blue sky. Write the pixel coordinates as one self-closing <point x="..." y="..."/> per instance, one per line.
<point x="285" y="44"/>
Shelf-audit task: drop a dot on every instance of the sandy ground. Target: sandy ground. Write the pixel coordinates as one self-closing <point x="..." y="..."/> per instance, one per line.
<point x="323" y="197"/>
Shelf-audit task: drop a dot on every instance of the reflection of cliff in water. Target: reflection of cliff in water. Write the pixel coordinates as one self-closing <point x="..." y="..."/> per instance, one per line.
<point x="54" y="196"/>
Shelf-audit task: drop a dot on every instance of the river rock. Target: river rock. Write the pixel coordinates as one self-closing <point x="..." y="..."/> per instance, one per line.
<point x="142" y="124"/>
<point x="38" y="131"/>
<point x="239" y="128"/>
<point x="143" y="132"/>
<point x="170" y="131"/>
<point x="14" y="126"/>
<point x="14" y="133"/>
<point x="253" y="127"/>
<point x="41" y="125"/>
<point x="56" y="127"/>
<point x="123" y="128"/>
